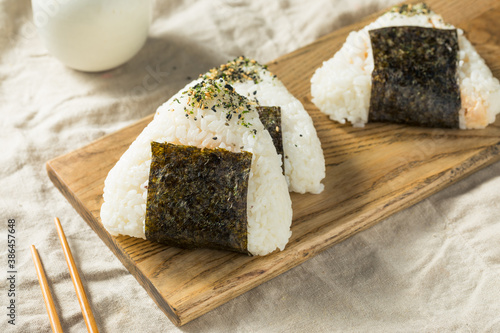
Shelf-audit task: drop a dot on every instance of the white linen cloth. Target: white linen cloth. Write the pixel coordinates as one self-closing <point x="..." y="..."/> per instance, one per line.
<point x="434" y="267"/>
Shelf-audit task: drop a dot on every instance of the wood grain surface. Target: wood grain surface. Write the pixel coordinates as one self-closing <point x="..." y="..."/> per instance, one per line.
<point x="372" y="172"/>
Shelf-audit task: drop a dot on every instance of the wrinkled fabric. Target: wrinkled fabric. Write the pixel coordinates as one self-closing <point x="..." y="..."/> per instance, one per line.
<point x="434" y="267"/>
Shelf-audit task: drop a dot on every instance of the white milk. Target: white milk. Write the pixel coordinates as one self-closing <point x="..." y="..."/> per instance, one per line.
<point x="92" y="35"/>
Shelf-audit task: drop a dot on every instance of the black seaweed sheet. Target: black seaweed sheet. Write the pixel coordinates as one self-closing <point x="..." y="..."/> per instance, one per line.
<point x="198" y="197"/>
<point x="414" y="80"/>
<point x="270" y="116"/>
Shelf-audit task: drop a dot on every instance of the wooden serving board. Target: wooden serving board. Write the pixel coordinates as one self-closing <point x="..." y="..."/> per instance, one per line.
<point x="371" y="173"/>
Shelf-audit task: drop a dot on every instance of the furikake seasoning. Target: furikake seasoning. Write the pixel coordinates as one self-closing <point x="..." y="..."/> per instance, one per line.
<point x="270" y="116"/>
<point x="411" y="10"/>
<point x="240" y="69"/>
<point x="415" y="78"/>
<point x="218" y="96"/>
<point x="198" y="197"/>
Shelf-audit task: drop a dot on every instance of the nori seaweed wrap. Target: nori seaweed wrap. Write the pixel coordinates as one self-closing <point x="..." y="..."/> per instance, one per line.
<point x="198" y="197"/>
<point x="270" y="116"/>
<point x="415" y="78"/>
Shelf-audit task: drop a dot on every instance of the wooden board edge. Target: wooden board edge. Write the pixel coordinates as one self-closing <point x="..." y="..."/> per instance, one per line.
<point x="482" y="159"/>
<point x="110" y="242"/>
<point x="448" y="177"/>
<point x="485" y="157"/>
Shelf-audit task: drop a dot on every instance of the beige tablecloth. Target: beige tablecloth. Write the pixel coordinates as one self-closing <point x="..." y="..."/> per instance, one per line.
<point x="434" y="267"/>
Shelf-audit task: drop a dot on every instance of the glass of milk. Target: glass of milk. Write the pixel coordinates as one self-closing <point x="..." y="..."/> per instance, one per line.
<point x="92" y="35"/>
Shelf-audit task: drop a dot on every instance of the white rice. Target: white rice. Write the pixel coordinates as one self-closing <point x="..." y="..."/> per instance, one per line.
<point x="304" y="159"/>
<point x="341" y="88"/>
<point x="269" y="212"/>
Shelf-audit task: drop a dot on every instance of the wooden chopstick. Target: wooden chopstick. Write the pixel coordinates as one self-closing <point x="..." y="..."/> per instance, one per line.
<point x="47" y="296"/>
<point x="77" y="282"/>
